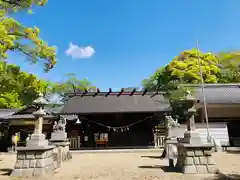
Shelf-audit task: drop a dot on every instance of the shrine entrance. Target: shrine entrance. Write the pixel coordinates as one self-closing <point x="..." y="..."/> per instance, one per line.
<point x="119" y="130"/>
<point x="122" y="130"/>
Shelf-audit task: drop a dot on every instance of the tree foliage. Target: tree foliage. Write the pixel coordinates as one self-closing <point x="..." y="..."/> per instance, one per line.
<point x="229" y="65"/>
<point x="70" y="85"/>
<point x="18" y="88"/>
<point x="184" y="69"/>
<point x="14" y="36"/>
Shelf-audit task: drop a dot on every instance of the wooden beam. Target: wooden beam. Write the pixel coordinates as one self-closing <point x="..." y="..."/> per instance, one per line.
<point x="119" y="94"/>
<point x="84" y="93"/>
<point x="133" y="91"/>
<point x="144" y="92"/>
<point x="156" y="93"/>
<point x="109" y="92"/>
<point x="96" y="93"/>
<point x="72" y="94"/>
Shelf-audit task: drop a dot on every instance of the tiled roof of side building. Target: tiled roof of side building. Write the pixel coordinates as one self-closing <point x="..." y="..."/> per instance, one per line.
<point x="218" y="93"/>
<point x="6" y="112"/>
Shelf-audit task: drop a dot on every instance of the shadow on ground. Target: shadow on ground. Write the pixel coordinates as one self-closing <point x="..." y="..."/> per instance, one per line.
<point x="152" y="157"/>
<point x="222" y="176"/>
<point x="5" y="172"/>
<point x="233" y="151"/>
<point x="164" y="168"/>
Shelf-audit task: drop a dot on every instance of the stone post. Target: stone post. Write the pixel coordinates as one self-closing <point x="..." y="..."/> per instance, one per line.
<point x="36" y="159"/>
<point x="194" y="157"/>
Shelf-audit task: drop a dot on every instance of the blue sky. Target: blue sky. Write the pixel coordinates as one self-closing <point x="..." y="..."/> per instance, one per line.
<point x="118" y="43"/>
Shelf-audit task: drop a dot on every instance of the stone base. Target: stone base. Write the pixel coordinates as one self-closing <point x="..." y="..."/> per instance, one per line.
<point x="195" y="159"/>
<point x="33" y="162"/>
<point x="59" y="136"/>
<point x="61" y="151"/>
<point x="192" y="137"/>
<point x="37" y="140"/>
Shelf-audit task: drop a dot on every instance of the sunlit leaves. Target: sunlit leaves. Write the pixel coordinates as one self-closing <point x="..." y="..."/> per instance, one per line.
<point x="72" y="84"/>
<point x="10" y="100"/>
<point x="16" y="37"/>
<point x="18" y="88"/>
<point x="13" y="6"/>
<point x="185" y="67"/>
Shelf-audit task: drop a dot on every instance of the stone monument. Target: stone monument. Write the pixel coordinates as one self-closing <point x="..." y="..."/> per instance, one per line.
<point x="35" y="159"/>
<point x="59" y="139"/>
<point x="194" y="157"/>
<point x="171" y="142"/>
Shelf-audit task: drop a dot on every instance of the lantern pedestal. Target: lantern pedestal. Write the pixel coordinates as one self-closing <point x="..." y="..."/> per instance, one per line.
<point x="36" y="159"/>
<point x="194" y="157"/>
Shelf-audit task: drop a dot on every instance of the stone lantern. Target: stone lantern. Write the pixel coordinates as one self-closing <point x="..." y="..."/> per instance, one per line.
<point x="191" y="136"/>
<point x="194" y="157"/>
<point x="38" y="138"/>
<point x="36" y="159"/>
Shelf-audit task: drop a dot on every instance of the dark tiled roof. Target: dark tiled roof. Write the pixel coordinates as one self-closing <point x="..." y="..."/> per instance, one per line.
<point x="54" y="110"/>
<point x="26" y="116"/>
<point x="115" y="103"/>
<point x="30" y="116"/>
<point x="51" y="114"/>
<point x="218" y="93"/>
<point x="215" y="94"/>
<point x="6" y="112"/>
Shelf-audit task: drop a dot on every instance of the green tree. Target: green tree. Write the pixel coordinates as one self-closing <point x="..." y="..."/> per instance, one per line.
<point x="18" y="88"/>
<point x="16" y="37"/>
<point x="72" y="84"/>
<point x="229" y="65"/>
<point x="185" y="67"/>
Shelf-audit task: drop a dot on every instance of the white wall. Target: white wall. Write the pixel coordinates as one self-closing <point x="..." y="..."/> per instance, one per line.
<point x="218" y="131"/>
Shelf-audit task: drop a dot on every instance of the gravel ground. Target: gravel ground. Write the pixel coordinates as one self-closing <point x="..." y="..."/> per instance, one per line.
<point x="124" y="166"/>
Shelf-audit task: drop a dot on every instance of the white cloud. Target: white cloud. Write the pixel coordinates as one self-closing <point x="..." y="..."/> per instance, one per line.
<point x="54" y="98"/>
<point x="77" y="52"/>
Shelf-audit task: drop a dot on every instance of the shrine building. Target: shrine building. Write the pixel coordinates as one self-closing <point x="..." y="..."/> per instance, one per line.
<point x="125" y="119"/>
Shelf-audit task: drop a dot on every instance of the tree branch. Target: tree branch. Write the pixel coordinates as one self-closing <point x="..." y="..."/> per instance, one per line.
<point x="12" y="2"/>
<point x="16" y="34"/>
